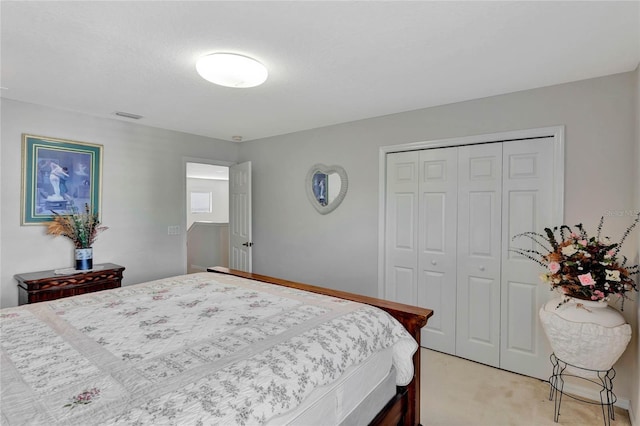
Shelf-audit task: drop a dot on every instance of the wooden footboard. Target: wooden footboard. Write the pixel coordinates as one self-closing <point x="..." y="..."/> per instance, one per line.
<point x="404" y="408"/>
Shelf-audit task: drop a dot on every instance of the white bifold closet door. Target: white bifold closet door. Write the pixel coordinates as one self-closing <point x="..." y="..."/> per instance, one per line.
<point x="527" y="204"/>
<point x="401" y="234"/>
<point x="450" y="218"/>
<point x="479" y="253"/>
<point x="437" y="229"/>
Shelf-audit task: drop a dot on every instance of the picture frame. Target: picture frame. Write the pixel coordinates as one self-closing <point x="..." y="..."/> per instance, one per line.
<point x="58" y="175"/>
<point x="320" y="184"/>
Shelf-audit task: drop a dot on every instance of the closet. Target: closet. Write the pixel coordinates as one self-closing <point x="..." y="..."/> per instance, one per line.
<point x="450" y="215"/>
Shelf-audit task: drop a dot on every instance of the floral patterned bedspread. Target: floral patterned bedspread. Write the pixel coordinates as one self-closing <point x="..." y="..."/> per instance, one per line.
<point x="196" y="349"/>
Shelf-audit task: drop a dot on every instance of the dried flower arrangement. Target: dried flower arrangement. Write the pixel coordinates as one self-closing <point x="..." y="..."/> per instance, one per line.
<point x="80" y="227"/>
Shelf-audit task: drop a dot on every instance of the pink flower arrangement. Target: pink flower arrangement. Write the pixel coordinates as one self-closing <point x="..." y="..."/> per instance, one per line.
<point x="86" y="397"/>
<point x="582" y="266"/>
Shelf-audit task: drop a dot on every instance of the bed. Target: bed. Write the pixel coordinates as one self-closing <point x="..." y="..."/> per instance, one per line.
<point x="217" y="347"/>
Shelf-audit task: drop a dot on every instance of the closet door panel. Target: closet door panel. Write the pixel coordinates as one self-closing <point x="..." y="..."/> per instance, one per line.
<point x="403" y="214"/>
<point x="437" y="246"/>
<point x="480" y="298"/>
<point x="435" y="213"/>
<point x="481" y="207"/>
<point x="520" y="338"/>
<point x="527" y="206"/>
<point x="403" y="290"/>
<point x="401" y="252"/>
<point x="432" y="292"/>
<point x="479" y="253"/>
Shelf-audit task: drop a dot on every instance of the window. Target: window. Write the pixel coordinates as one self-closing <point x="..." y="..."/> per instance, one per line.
<point x="200" y="202"/>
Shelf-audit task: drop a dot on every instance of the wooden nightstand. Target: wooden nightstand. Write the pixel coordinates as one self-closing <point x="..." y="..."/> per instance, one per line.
<point x="46" y="285"/>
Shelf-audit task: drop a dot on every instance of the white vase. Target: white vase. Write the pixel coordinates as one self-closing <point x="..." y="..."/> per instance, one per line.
<point x="586" y="334"/>
<point x="84" y="259"/>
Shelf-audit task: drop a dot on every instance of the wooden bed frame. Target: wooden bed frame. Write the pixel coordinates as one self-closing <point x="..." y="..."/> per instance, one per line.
<point x="404" y="407"/>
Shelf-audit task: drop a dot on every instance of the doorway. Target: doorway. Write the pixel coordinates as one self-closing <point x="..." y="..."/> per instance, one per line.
<point x="448" y="213"/>
<point x="207" y="214"/>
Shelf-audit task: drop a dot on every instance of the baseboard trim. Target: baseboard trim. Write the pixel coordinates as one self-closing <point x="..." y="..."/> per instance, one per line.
<point x="198" y="268"/>
<point x="594" y="395"/>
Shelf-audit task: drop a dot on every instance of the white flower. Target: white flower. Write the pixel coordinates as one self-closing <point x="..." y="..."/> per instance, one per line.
<point x="568" y="250"/>
<point x="613" y="275"/>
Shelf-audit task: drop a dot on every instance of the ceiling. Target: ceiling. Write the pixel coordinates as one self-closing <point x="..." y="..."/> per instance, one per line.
<point x="329" y="62"/>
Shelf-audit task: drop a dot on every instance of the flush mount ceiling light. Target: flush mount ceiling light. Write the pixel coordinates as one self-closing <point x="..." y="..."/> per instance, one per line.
<point x="231" y="70"/>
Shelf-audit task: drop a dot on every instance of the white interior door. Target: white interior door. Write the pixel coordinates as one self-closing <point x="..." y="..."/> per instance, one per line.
<point x="437" y="223"/>
<point x="401" y="235"/>
<point x="479" y="252"/>
<point x="527" y="206"/>
<point x="240" y="242"/>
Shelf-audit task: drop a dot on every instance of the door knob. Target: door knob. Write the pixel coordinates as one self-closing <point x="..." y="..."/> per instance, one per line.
<point x="482" y="268"/>
<point x="433" y="262"/>
<point x="247" y="244"/>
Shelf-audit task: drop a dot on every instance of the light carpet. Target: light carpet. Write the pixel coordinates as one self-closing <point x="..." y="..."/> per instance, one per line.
<point x="455" y="391"/>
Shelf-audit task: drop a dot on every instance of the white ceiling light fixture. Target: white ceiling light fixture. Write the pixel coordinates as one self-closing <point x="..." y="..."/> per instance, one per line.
<point x="231" y="70"/>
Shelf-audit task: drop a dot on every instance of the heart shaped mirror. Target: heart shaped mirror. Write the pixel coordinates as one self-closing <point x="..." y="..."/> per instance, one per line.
<point x="326" y="187"/>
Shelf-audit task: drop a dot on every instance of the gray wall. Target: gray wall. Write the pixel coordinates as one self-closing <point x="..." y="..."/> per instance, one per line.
<point x="339" y="250"/>
<point x="143" y="192"/>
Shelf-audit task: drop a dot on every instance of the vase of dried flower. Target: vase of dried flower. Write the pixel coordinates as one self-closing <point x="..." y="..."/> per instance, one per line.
<point x="84" y="259"/>
<point x="587" y="334"/>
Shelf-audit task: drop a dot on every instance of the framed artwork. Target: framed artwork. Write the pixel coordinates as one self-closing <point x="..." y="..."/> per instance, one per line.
<point x="57" y="175"/>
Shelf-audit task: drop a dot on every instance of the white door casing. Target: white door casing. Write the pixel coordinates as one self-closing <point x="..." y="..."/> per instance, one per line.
<point x="240" y="242"/>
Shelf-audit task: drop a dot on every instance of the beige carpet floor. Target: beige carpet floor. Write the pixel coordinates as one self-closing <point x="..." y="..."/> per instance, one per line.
<point x="460" y="392"/>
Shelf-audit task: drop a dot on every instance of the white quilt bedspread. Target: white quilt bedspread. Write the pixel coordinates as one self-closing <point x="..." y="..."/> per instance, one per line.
<point x="192" y="350"/>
